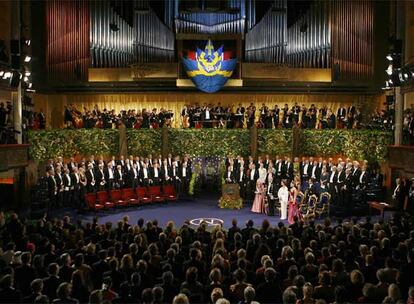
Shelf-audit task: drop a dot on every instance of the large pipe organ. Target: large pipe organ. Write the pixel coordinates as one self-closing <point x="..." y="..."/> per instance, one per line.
<point x="98" y="34"/>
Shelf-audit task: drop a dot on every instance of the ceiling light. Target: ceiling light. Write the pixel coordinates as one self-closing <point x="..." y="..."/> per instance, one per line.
<point x="27" y="58"/>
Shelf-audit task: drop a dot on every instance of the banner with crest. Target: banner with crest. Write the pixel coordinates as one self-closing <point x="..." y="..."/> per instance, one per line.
<point x="209" y="69"/>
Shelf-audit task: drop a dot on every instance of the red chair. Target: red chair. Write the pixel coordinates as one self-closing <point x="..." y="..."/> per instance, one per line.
<point x="169" y="193"/>
<point x="129" y="196"/>
<point x="90" y="199"/>
<point x="117" y="198"/>
<point x="103" y="199"/>
<point x="155" y="193"/>
<point x="143" y="196"/>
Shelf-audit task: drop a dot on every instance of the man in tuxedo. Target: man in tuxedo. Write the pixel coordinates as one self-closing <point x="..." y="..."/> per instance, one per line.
<point x="340" y="180"/>
<point x="207" y="117"/>
<point x="288" y="170"/>
<point x="72" y="164"/>
<point x="75" y="179"/>
<point x="67" y="187"/>
<point x="363" y="178"/>
<point x="305" y="170"/>
<point x="121" y="161"/>
<point x="100" y="178"/>
<point x="90" y="178"/>
<point x="145" y="176"/>
<point x="346" y="190"/>
<point x="185" y="176"/>
<point x="275" y="113"/>
<point x="109" y="176"/>
<point x="333" y="178"/>
<point x="356" y="172"/>
<point x="240" y="176"/>
<point x="119" y="177"/>
<point x="165" y="171"/>
<point x="134" y="176"/>
<point x="341" y="116"/>
<point x="52" y="188"/>
<point x="279" y="170"/>
<point x="271" y="194"/>
<point x="59" y="184"/>
<point x="240" y="116"/>
<point x="253" y="175"/>
<point x="155" y="173"/>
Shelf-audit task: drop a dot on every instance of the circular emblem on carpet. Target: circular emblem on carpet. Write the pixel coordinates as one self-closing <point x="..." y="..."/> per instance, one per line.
<point x="211" y="221"/>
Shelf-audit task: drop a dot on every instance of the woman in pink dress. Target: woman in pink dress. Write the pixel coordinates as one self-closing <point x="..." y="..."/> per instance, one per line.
<point x="293" y="204"/>
<point x="259" y="198"/>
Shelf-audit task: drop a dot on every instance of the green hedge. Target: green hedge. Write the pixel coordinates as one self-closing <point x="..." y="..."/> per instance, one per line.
<point x="209" y="142"/>
<point x="144" y="142"/>
<point x="66" y="142"/>
<point x="356" y="144"/>
<point x="274" y="142"/>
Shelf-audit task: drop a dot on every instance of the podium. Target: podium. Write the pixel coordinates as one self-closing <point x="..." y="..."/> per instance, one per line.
<point x="230" y="197"/>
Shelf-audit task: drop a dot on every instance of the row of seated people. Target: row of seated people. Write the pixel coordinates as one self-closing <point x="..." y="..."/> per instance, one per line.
<point x="68" y="182"/>
<point x="347" y="261"/>
<point x="217" y="116"/>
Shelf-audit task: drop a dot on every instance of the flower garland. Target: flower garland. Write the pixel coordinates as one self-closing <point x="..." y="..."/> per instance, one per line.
<point x="225" y="202"/>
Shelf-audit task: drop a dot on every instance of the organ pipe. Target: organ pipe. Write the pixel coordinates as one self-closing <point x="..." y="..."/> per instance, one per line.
<point x="309" y="39"/>
<point x="266" y="41"/>
<point x="153" y="40"/>
<point x="109" y="47"/>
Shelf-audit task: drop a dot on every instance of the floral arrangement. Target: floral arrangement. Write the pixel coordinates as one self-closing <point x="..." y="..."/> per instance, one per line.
<point x="227" y="202"/>
<point x="274" y="142"/>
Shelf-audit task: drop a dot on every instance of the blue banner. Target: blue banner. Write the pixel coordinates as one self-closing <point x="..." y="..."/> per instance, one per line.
<point x="209" y="71"/>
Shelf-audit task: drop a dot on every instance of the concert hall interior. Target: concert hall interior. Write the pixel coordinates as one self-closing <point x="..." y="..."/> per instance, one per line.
<point x="206" y="151"/>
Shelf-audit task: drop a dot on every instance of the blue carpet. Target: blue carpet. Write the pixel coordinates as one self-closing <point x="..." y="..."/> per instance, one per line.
<point x="179" y="212"/>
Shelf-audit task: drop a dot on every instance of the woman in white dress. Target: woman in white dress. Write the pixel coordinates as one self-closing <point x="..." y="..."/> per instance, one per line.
<point x="262" y="172"/>
<point x="283" y="195"/>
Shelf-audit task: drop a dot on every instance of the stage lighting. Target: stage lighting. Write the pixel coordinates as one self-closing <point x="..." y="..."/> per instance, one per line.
<point x="27" y="58"/>
<point x="389" y="57"/>
<point x="389" y="69"/>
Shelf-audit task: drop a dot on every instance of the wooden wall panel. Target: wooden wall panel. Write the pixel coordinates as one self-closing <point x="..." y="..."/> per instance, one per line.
<point x="67" y="46"/>
<point x="352" y="26"/>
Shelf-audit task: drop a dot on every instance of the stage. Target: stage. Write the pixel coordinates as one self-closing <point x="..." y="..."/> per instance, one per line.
<point x="185" y="209"/>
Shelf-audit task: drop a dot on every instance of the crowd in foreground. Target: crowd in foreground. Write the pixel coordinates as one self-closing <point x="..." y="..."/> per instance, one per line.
<point x="55" y="260"/>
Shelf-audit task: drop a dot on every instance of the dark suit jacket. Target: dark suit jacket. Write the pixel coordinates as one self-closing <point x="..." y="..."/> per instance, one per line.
<point x="50" y="284"/>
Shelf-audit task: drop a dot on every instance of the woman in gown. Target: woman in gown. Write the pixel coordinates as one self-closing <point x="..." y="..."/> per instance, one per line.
<point x="293" y="204"/>
<point x="259" y="198"/>
<point x="283" y="195"/>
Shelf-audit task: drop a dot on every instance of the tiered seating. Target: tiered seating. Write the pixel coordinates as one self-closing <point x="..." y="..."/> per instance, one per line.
<point x="130" y="197"/>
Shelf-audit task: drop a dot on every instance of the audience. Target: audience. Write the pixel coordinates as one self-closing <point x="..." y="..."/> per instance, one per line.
<point x="100" y="263"/>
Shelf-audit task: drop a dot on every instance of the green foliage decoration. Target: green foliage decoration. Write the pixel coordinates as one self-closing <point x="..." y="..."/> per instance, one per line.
<point x="209" y="142"/>
<point x="144" y="141"/>
<point x="275" y="142"/>
<point x="46" y="144"/>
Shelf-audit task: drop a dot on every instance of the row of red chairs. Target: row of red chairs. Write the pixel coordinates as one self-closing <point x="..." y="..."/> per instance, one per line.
<point x="130" y="197"/>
